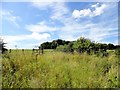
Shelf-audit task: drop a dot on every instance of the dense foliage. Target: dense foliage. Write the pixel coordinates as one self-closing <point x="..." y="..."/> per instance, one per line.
<point x="81" y="43"/>
<point x="85" y="45"/>
<point x="54" y="44"/>
<point x="65" y="48"/>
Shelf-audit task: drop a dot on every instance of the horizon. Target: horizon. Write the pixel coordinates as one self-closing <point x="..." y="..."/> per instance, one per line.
<point x="36" y="46"/>
<point x="27" y="24"/>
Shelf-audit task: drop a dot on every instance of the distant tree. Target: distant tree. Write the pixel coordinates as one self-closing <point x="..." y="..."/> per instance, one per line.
<point x="67" y="42"/>
<point x="54" y="44"/>
<point x="59" y="42"/>
<point x="63" y="48"/>
<point x="2" y="47"/>
<point x="82" y="45"/>
<point x="46" y="45"/>
<point x="111" y="46"/>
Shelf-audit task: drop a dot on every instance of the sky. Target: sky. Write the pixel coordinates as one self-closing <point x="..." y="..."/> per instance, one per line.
<point x="28" y="24"/>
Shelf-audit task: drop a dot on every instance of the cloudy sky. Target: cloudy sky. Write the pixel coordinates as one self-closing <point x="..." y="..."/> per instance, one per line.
<point x="27" y="24"/>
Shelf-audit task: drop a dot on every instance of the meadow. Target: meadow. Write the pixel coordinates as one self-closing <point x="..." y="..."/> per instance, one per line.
<point x="55" y="69"/>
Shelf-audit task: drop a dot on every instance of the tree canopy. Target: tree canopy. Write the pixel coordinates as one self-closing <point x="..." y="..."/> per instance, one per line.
<point x="54" y="44"/>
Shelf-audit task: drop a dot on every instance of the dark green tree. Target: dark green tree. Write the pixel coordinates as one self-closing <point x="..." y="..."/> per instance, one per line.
<point x="2" y="47"/>
<point x="111" y="46"/>
<point x="46" y="45"/>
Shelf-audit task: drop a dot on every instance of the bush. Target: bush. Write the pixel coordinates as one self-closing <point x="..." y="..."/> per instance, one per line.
<point x="117" y="51"/>
<point x="65" y="48"/>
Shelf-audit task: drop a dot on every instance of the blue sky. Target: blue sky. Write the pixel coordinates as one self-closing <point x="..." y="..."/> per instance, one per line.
<point x="27" y="24"/>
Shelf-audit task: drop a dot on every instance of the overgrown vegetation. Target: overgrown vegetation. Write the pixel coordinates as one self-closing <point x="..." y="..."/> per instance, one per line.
<point x="56" y="69"/>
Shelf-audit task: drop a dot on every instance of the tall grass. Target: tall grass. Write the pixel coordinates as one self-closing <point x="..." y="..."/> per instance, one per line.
<point x="58" y="70"/>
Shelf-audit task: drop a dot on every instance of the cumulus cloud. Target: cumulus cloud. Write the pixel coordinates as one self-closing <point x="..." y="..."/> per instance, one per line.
<point x="98" y="10"/>
<point x="81" y="13"/>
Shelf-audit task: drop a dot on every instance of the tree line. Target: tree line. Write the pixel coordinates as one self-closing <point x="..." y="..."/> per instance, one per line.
<point x="81" y="45"/>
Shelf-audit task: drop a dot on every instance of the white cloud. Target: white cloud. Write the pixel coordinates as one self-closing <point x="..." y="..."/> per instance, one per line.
<point x="7" y="15"/>
<point x="34" y="35"/>
<point x="38" y="36"/>
<point x="89" y="12"/>
<point x="59" y="10"/>
<point x="81" y="13"/>
<point x="76" y="14"/>
<point x="88" y="30"/>
<point x="42" y="5"/>
<point x="99" y="10"/>
<point x="40" y="27"/>
<point x="14" y="40"/>
<point x="95" y="5"/>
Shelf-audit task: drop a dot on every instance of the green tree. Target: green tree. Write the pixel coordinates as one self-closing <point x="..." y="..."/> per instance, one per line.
<point x="82" y="45"/>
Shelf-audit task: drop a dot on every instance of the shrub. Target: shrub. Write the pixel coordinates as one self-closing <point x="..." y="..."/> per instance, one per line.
<point x="117" y="51"/>
<point x="65" y="48"/>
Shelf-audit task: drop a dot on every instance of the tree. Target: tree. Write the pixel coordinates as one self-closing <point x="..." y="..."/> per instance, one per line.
<point x="82" y="45"/>
<point x="110" y="46"/>
<point x="54" y="44"/>
<point x="2" y="47"/>
<point x="46" y="45"/>
<point x="65" y="48"/>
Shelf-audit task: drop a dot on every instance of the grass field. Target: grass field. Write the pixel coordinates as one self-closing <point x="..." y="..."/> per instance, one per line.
<point x="58" y="70"/>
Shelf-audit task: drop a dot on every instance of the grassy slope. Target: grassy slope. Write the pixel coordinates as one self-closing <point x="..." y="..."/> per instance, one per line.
<point x="58" y="69"/>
